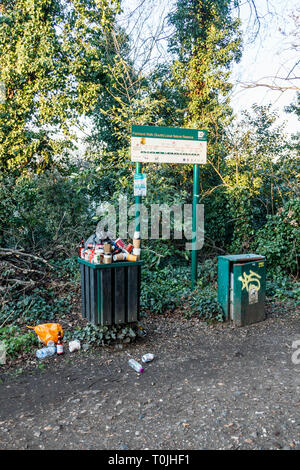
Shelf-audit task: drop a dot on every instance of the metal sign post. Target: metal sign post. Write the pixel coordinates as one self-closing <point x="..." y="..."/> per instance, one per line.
<point x="171" y="145"/>
<point x="138" y="201"/>
<point x="194" y="273"/>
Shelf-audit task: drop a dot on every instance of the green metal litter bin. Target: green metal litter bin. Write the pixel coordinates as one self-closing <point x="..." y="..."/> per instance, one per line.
<point x="110" y="293"/>
<point x="242" y="287"/>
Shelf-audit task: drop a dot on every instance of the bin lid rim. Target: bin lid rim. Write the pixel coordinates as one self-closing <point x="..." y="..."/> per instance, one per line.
<point x="118" y="264"/>
<point x="244" y="257"/>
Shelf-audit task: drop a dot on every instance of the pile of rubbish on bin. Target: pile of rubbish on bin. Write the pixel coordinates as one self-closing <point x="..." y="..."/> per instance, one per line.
<point x="101" y="249"/>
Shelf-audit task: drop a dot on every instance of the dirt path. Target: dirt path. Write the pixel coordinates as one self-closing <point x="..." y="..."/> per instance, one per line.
<point x="209" y="388"/>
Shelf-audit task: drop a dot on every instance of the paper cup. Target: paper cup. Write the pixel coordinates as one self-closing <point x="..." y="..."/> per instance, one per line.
<point x="136" y="242"/>
<point x="137" y="252"/>
<point x="107" y="247"/>
<point x="131" y="258"/>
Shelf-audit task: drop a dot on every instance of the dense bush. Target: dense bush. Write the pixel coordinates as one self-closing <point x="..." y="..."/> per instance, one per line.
<point x="283" y="288"/>
<point x="52" y="210"/>
<point x="169" y="287"/>
<point x="204" y="303"/>
<point x="39" y="306"/>
<point x="42" y="211"/>
<point x="163" y="288"/>
<point x="279" y="239"/>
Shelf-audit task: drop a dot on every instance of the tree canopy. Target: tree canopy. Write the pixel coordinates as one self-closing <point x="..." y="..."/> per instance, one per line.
<point x="53" y="62"/>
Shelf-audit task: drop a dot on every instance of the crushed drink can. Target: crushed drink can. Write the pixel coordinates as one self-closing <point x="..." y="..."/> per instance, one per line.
<point x="114" y="245"/>
<point x="148" y="357"/>
<point x="129" y="248"/>
<point x="120" y="243"/>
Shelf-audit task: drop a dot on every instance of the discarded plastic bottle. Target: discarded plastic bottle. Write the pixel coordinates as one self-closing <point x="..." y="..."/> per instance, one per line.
<point x="45" y="352"/>
<point x="135" y="365"/>
<point x="148" y="357"/>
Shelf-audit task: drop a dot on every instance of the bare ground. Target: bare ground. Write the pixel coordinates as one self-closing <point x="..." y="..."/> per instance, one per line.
<point x="210" y="387"/>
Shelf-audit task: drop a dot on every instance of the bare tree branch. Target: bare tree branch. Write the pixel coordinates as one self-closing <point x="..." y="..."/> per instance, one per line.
<point x="268" y="85"/>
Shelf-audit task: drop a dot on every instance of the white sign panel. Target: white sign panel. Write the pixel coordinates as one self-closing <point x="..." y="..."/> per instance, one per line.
<point x="168" y="145"/>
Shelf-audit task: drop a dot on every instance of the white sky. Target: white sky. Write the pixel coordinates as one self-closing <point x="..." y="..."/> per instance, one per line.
<point x="272" y="54"/>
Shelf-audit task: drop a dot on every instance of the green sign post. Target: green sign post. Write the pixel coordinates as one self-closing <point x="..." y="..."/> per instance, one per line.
<point x="194" y="274"/>
<point x="138" y="200"/>
<point x="152" y="144"/>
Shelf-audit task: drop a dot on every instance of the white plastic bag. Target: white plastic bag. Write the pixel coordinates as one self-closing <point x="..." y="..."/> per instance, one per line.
<point x="74" y="345"/>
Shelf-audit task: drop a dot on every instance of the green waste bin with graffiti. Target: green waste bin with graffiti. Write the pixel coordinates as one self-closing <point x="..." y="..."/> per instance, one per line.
<point x="242" y="287"/>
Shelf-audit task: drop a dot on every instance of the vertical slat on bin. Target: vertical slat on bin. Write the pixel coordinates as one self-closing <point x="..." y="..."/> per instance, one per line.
<point x="119" y="296"/>
<point x="83" y="292"/>
<point x="106" y="298"/>
<point x="87" y="292"/>
<point x="99" y="312"/>
<point x="132" y="287"/>
<point x="224" y="284"/>
<point x="93" y="290"/>
<point x="139" y="291"/>
<point x="237" y="304"/>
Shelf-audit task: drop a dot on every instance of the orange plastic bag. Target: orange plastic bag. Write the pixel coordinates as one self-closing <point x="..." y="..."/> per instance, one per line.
<point x="47" y="332"/>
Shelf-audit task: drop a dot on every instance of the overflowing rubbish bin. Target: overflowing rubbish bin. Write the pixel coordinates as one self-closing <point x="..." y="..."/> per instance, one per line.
<point x="242" y="287"/>
<point x="110" y="279"/>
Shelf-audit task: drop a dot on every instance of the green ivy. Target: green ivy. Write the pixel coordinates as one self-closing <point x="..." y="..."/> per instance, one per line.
<point x="16" y="341"/>
<point x="40" y="306"/>
<point x="204" y="303"/>
<point x="279" y="239"/>
<point x="283" y="288"/>
<point x="93" y="335"/>
<point x="166" y="288"/>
